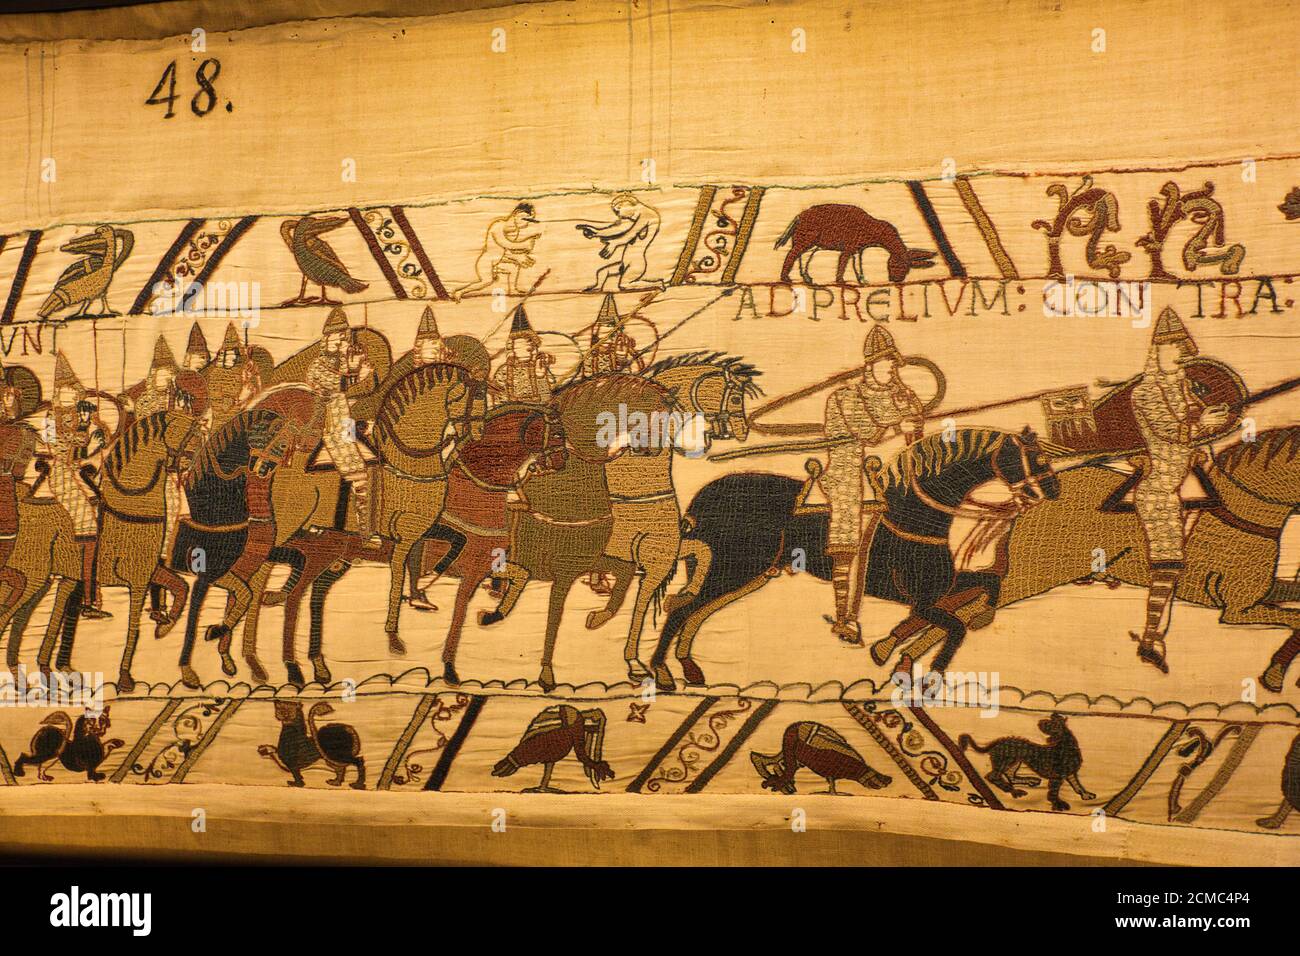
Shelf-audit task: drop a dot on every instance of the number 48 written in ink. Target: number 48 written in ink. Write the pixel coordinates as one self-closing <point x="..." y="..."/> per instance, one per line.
<point x="204" y="99"/>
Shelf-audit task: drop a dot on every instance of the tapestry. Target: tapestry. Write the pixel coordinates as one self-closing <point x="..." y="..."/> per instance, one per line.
<point x="361" y="435"/>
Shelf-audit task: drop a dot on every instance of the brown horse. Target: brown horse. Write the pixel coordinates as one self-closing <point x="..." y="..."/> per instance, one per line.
<point x="518" y="441"/>
<point x="562" y="531"/>
<point x="132" y="520"/>
<point x="848" y="230"/>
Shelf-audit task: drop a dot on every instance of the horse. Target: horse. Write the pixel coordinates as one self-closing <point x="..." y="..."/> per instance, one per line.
<point x="563" y="529"/>
<point x="755" y="524"/>
<point x="711" y="388"/>
<point x="211" y="541"/>
<point x="475" y="519"/>
<point x="422" y="420"/>
<point x="1232" y="547"/>
<point x="45" y="548"/>
<point x="132" y="521"/>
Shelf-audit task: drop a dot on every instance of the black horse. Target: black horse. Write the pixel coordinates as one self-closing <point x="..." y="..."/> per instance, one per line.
<point x="213" y="538"/>
<point x="752" y="524"/>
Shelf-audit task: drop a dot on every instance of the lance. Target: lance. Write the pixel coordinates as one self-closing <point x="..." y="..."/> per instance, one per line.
<point x="819" y="444"/>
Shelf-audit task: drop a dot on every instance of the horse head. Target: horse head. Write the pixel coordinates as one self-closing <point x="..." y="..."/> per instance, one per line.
<point x="1024" y="467"/>
<point x="182" y="433"/>
<point x="542" y="435"/>
<point x="711" y="386"/>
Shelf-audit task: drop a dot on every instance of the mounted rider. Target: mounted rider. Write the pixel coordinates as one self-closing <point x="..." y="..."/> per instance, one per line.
<point x="525" y="375"/>
<point x="233" y="378"/>
<point x="1173" y="421"/>
<point x="860" y="416"/>
<point x="157" y="393"/>
<point x="611" y="349"/>
<point x="74" y="437"/>
<point x="335" y="364"/>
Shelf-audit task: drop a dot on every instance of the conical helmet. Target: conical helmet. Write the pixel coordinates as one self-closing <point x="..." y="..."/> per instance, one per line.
<point x="879" y="345"/>
<point x="1170" y="330"/>
<point x="196" y="349"/>
<point x="336" y="322"/>
<point x="232" y="341"/>
<point x="64" y="377"/>
<point x="428" y="326"/>
<point x="162" y="356"/>
<point x="607" y="320"/>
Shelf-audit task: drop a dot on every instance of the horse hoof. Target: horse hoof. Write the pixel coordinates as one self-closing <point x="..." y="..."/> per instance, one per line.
<point x="228" y="665"/>
<point x="488" y="618"/>
<point x="547" y="678"/>
<point x="162" y="629"/>
<point x="691" y="670"/>
<point x="882" y="649"/>
<point x="321" y="672"/>
<point x="90" y="613"/>
<point x="294" y="673"/>
<point x="1272" y="678"/>
<point x="395" y="646"/>
<point x="449" y="673"/>
<point x="419" y="602"/>
<point x="664" y="682"/>
<point x="190" y="679"/>
<point x="256" y="670"/>
<point x="125" y="683"/>
<point x="636" y="671"/>
<point x="274" y="598"/>
<point x="596" y="618"/>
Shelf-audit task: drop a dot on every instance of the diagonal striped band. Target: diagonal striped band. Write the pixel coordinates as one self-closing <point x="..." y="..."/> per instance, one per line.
<point x="744" y="733"/>
<point x="987" y="230"/>
<point x="449" y="752"/>
<point x="926" y="208"/>
<point x="404" y="742"/>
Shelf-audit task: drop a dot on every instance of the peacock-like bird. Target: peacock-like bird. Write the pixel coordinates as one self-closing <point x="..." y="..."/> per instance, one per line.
<point x="823" y="751"/>
<point x="316" y="259"/>
<point x="88" y="279"/>
<point x="551" y="736"/>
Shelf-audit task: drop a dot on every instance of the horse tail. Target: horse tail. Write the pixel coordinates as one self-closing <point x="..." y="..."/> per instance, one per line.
<point x="789" y="232"/>
<point x="966" y="740"/>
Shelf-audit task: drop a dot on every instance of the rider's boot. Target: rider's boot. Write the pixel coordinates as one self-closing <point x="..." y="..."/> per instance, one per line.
<point x="1151" y="642"/>
<point x="844" y="625"/>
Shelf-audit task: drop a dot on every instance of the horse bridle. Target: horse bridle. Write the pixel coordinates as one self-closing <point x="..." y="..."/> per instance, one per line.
<point x="1031" y="482"/>
<point x="1020" y="500"/>
<point x="719" y="422"/>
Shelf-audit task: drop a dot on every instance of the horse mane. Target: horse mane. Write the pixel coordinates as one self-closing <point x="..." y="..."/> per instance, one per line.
<point x="734" y="364"/>
<point x="138" y="434"/>
<point x="614" y="387"/>
<point x="247" y="420"/>
<point x="933" y="453"/>
<point x="1274" y="443"/>
<point x="406" y="390"/>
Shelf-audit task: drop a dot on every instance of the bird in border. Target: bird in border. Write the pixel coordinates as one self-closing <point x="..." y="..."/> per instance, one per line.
<point x="551" y="736"/>
<point x="823" y="751"/>
<point x="317" y="260"/>
<point x="88" y="279"/>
